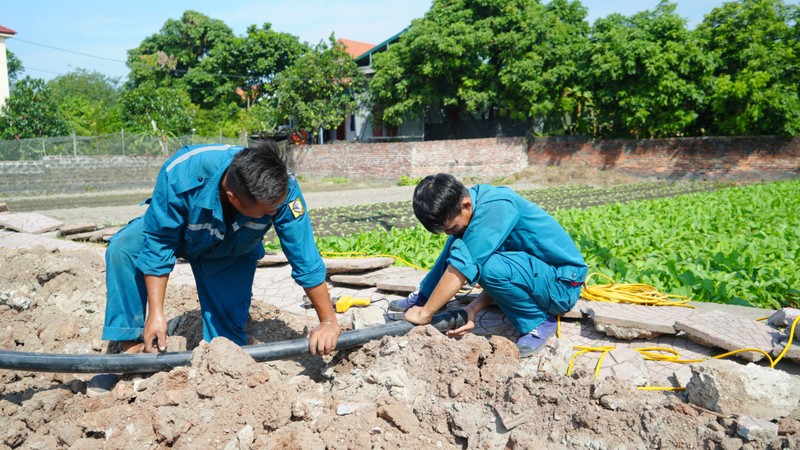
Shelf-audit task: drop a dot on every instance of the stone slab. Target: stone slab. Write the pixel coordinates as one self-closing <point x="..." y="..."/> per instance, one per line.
<point x="30" y="222"/>
<point x="656" y="319"/>
<point x="577" y="311"/>
<point x="68" y="230"/>
<point x="272" y="259"/>
<point x="374" y="277"/>
<point x="405" y="285"/>
<point x="348" y="265"/>
<point x="10" y="239"/>
<point x="730" y="332"/>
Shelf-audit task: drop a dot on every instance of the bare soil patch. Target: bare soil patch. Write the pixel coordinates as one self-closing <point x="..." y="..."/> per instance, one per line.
<point x="422" y="390"/>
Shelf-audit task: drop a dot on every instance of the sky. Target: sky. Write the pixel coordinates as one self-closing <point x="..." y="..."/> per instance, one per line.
<point x="55" y="37"/>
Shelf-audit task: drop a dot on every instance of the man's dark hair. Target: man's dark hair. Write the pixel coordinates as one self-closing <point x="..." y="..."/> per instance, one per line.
<point x="437" y="200"/>
<point x="259" y="173"/>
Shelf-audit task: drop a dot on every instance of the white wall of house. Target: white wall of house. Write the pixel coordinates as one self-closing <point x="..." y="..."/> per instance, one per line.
<point x="4" y="88"/>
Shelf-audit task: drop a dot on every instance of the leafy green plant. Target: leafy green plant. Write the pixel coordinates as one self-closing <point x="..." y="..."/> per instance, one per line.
<point x="405" y="180"/>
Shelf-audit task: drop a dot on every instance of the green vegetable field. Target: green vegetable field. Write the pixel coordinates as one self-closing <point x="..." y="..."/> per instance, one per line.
<point x="710" y="242"/>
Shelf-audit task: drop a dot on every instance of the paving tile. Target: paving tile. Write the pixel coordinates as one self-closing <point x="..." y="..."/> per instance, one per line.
<point x="404" y="285"/>
<point x="730" y="332"/>
<point x="10" y="239"/>
<point x="656" y="319"/>
<point x="626" y="364"/>
<point x="347" y="265"/>
<point x="29" y="222"/>
<point x="272" y="259"/>
<point x="372" y="278"/>
<point x="67" y="230"/>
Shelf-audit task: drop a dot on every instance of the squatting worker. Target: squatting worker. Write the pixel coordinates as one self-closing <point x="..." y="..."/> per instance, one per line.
<point x="523" y="259"/>
<point x="212" y="205"/>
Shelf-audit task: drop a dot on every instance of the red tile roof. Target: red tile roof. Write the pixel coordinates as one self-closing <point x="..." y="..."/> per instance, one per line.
<point x="355" y="48"/>
<point x="4" y="30"/>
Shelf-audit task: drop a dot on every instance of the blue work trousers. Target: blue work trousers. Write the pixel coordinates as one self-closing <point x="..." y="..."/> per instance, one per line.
<point x="526" y="289"/>
<point x="224" y="297"/>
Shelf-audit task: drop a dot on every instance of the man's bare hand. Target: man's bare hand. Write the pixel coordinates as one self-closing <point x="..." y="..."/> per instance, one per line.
<point x="467" y="327"/>
<point x="418" y="315"/>
<point x="322" y="339"/>
<point x="155" y="333"/>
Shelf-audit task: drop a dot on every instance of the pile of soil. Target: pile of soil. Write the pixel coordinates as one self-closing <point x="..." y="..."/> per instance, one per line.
<point x="421" y="390"/>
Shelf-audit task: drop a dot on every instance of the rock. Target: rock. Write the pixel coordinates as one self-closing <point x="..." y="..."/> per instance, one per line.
<point x="732" y="389"/>
<point x="367" y="317"/>
<point x="401" y="416"/>
<point x="626" y="364"/>
<point x="783" y="317"/>
<point x="4" y="208"/>
<point x="752" y="428"/>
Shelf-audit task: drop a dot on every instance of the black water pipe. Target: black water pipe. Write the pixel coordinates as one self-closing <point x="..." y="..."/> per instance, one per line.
<point x="157" y="362"/>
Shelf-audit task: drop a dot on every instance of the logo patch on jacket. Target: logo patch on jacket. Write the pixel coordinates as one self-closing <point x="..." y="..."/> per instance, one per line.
<point x="297" y="208"/>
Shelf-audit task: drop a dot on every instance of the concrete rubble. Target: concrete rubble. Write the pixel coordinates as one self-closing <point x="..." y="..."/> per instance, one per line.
<point x="723" y="386"/>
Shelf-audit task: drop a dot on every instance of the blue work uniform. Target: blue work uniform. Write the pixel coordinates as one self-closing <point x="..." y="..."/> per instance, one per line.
<point x="520" y="255"/>
<point x="185" y="219"/>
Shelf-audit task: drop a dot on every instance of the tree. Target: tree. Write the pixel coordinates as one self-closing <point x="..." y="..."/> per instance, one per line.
<point x="754" y="87"/>
<point x="157" y="110"/>
<point x="319" y="90"/>
<point x="31" y="112"/>
<point x="88" y="101"/>
<point x="15" y="67"/>
<point x="644" y="73"/>
<point x="176" y="57"/>
<point x="513" y="58"/>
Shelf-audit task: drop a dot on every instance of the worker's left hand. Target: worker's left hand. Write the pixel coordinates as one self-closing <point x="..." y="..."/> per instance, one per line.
<point x="467" y="327"/>
<point x="418" y="316"/>
<point x="322" y="339"/>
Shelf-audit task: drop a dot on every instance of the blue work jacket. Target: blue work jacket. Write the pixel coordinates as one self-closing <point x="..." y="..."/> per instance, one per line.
<point x="185" y="219"/>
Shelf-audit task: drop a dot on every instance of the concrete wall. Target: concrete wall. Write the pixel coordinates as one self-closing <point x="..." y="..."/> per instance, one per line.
<point x="484" y="159"/>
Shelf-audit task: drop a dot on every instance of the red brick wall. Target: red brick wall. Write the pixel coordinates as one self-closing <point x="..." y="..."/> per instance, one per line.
<point x="476" y="158"/>
<point x="707" y="157"/>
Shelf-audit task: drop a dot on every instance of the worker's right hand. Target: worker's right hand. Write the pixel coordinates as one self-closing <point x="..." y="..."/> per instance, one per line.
<point x="155" y="333"/>
<point x="467" y="327"/>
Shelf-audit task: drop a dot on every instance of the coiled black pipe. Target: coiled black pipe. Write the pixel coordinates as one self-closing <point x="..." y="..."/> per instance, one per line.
<point x="157" y="362"/>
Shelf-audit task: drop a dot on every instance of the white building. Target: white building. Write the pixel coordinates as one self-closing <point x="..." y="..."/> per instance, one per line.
<point x="4" y="87"/>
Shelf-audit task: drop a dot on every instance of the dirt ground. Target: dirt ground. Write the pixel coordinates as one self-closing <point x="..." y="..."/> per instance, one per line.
<point x="422" y="390"/>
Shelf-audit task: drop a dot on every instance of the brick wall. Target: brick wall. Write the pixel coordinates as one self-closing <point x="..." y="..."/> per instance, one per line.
<point x="710" y="158"/>
<point x="78" y="174"/>
<point x="484" y="159"/>
<point x="476" y="158"/>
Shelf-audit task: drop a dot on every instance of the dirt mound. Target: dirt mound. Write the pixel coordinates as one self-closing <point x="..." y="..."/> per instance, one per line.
<point x="421" y="390"/>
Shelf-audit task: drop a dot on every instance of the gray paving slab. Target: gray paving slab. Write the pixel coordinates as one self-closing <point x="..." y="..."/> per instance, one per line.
<point x="730" y="332"/>
<point x="402" y="285"/>
<point x="10" y="239"/>
<point x="273" y="258"/>
<point x="656" y="319"/>
<point x="349" y="265"/>
<point x="29" y="222"/>
<point x="67" y="230"/>
<point x="372" y="278"/>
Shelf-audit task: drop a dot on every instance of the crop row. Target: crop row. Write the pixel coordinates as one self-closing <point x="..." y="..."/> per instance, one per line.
<point x="706" y="241"/>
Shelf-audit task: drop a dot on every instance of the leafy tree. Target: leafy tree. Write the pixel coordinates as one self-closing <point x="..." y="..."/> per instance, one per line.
<point x="537" y="49"/>
<point x="319" y="89"/>
<point x="644" y="73"/>
<point x="514" y="58"/>
<point x="15" y="67"/>
<point x="176" y="56"/>
<point x="754" y="88"/>
<point x="157" y="110"/>
<point x="88" y="101"/>
<point x="31" y="112"/>
<point x="256" y="59"/>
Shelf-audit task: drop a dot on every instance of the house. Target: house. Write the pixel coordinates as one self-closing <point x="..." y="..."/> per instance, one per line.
<point x="4" y="86"/>
<point x="359" y="126"/>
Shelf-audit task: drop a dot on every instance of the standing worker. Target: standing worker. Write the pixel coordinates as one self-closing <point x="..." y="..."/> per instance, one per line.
<point x="212" y="205"/>
<point x="523" y="259"/>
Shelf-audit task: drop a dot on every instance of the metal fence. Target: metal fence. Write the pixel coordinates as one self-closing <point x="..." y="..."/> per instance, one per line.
<point x="116" y="144"/>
